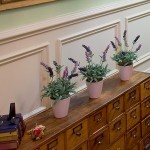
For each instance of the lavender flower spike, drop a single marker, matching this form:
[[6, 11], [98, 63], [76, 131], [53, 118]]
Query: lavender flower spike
[[113, 45], [87, 48], [136, 39], [87, 54], [72, 75], [48, 68], [75, 68], [71, 59], [124, 34], [138, 48], [107, 48], [82, 69], [65, 73], [118, 41]]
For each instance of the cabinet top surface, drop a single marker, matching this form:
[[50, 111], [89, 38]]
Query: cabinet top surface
[[81, 106]]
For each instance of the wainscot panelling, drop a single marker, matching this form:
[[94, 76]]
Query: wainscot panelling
[[23, 48], [71, 46], [21, 79]]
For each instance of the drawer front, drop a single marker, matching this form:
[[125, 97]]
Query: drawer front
[[119, 145], [54, 144], [132, 97], [145, 143], [97, 120], [83, 146], [115, 108], [145, 89], [146, 126], [133, 117], [145, 107], [117, 128], [133, 136], [100, 141], [77, 135]]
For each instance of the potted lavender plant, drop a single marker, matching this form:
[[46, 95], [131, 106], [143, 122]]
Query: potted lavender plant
[[94, 73], [59, 89], [125, 57]]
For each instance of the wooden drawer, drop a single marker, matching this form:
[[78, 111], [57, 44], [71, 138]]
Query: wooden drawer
[[136, 147], [133, 136], [145, 108], [145, 89], [145, 143], [117, 128], [146, 126], [100, 140], [83, 146], [56, 143], [97, 120], [77, 134], [119, 145], [115, 108], [132, 97], [133, 117]]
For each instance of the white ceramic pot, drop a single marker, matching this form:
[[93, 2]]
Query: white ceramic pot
[[60, 109], [125, 72], [94, 89]]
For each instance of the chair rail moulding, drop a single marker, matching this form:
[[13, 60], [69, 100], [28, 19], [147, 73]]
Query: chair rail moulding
[[66, 20], [10, 4]]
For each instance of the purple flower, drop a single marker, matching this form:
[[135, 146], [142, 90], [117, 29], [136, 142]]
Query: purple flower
[[65, 73], [48, 68], [55, 63], [87, 48], [113, 45], [107, 48], [75, 68], [138, 48], [124, 34], [125, 38], [135, 40], [88, 58], [104, 56], [72, 75], [118, 41], [71, 59], [82, 69]]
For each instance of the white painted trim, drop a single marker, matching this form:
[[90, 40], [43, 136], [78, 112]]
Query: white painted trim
[[142, 59], [147, 70], [67, 19], [23, 53], [68, 39], [34, 112]]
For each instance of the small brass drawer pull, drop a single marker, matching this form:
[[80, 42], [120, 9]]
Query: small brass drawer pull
[[117, 125], [134, 133], [98, 117], [116, 105], [132, 95], [99, 139], [147, 85], [52, 145], [77, 130], [147, 104], [147, 122], [133, 114]]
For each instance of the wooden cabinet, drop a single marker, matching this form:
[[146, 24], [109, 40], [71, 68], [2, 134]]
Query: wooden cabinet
[[118, 120], [76, 134]]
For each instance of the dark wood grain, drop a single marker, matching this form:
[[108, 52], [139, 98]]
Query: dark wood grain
[[81, 107]]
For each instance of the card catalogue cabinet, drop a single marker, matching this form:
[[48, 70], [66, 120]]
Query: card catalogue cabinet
[[118, 120]]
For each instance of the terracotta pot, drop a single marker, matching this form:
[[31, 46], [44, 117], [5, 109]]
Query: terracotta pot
[[125, 72], [60, 109], [94, 89]]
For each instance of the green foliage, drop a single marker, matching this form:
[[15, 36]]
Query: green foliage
[[94, 72], [125, 58], [60, 87]]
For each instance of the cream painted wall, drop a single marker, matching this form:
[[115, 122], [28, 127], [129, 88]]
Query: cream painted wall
[[23, 48], [27, 15]]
